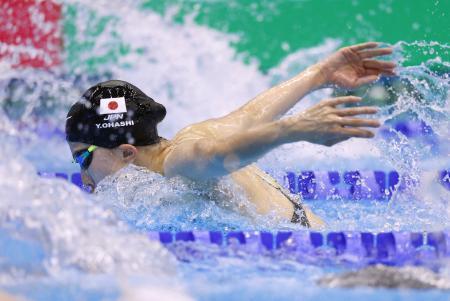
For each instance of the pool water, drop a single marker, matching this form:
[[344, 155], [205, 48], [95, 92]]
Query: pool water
[[60, 243]]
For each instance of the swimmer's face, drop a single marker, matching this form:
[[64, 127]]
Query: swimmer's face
[[104, 161]]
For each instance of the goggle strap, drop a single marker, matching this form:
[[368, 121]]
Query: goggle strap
[[84, 155]]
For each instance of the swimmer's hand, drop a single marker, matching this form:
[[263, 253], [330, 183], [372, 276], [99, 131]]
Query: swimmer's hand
[[353, 66], [326, 124]]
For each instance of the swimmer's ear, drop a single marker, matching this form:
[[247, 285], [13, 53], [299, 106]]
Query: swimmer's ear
[[128, 152]]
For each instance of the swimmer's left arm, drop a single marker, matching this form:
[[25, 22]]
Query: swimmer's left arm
[[350, 67], [276, 101]]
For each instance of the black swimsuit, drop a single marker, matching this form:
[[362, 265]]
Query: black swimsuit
[[299, 216]]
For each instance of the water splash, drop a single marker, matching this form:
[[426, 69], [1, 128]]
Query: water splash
[[195, 72], [149, 201], [197, 66], [52, 234]]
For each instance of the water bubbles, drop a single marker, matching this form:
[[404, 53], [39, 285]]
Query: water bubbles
[[285, 46], [378, 92]]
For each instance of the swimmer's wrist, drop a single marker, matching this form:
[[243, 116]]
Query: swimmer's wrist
[[318, 76], [323, 75], [291, 130]]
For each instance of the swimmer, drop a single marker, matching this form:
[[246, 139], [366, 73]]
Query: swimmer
[[381, 276], [115, 124]]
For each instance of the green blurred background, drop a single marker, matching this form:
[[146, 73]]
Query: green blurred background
[[269, 30]]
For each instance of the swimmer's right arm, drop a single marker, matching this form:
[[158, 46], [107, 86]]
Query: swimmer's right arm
[[213, 156], [349, 68]]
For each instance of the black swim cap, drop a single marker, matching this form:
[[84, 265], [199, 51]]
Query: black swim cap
[[114, 113]]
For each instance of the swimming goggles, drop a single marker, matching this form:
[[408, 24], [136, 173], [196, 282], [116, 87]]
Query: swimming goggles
[[84, 157]]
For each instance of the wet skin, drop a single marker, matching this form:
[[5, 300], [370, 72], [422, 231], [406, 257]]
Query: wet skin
[[231, 144]]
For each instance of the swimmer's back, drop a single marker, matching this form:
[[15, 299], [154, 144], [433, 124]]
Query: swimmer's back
[[261, 189]]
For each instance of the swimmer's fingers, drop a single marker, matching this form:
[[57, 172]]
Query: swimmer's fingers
[[367, 79], [377, 72], [357, 122], [356, 111], [355, 132], [372, 75], [363, 46], [388, 72], [374, 67], [341, 100], [376, 64], [374, 52]]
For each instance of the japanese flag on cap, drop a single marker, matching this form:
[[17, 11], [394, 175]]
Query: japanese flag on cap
[[112, 106]]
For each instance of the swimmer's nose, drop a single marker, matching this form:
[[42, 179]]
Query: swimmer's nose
[[88, 183]]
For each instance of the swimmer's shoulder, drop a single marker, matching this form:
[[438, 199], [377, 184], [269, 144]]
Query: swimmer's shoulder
[[211, 128], [187, 150]]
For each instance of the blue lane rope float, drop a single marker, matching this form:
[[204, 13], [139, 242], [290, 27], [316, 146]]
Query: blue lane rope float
[[314, 185], [353, 185], [386, 247]]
